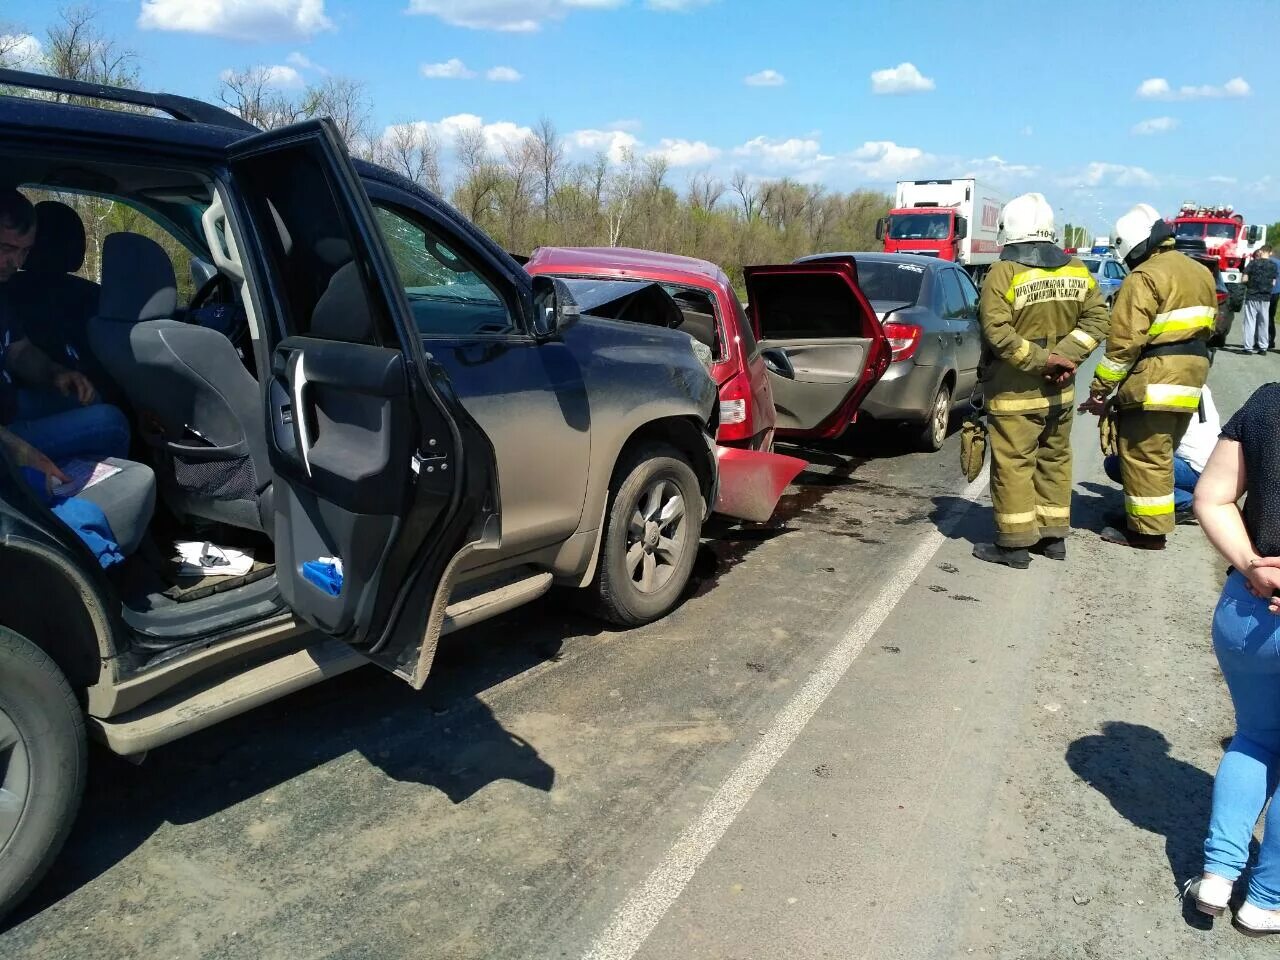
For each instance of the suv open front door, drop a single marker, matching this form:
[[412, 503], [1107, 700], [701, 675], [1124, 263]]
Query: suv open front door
[[375, 463], [822, 342]]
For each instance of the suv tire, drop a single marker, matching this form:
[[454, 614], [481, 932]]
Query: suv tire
[[651, 536], [43, 756]]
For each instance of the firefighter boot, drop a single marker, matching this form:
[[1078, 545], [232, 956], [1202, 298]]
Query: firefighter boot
[[1131, 538], [1016, 557], [1052, 548]]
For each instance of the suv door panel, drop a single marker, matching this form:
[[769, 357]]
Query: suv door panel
[[375, 464], [822, 342]]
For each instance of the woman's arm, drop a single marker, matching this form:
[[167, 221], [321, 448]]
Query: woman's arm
[[1218, 491]]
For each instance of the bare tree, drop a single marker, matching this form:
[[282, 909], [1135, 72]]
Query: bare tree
[[252, 95], [412, 150], [704, 191], [746, 191], [623, 186], [549, 153], [346, 102], [75, 49], [479, 177]]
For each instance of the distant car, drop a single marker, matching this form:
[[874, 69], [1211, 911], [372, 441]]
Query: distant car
[[1109, 272], [929, 310]]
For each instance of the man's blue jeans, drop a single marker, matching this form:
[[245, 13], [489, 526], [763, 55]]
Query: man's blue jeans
[[1246, 638], [1184, 479], [61, 429]]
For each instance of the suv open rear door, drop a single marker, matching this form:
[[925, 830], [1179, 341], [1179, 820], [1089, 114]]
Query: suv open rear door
[[822, 342], [379, 476]]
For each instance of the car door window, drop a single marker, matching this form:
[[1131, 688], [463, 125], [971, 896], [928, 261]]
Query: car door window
[[953, 304], [970, 293], [447, 296]]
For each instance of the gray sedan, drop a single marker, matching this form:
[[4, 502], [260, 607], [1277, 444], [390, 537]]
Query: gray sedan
[[929, 310]]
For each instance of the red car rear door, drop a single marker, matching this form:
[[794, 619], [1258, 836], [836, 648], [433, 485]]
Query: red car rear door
[[822, 342]]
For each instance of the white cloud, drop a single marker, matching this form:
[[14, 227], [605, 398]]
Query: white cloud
[[615, 144], [678, 6], [685, 153], [765, 78], [303, 62], [237, 19], [497, 136], [21, 51], [997, 168], [1218, 178], [1158, 88], [883, 160], [792, 154], [1098, 174], [451, 69], [904, 78], [630, 125], [513, 16], [504, 75], [276, 75], [1154, 125]]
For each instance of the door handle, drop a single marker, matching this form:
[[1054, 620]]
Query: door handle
[[300, 384]]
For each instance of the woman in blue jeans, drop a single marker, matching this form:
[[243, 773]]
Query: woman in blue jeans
[[1246, 639]]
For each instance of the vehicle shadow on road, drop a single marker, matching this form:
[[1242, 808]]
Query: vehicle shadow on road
[[960, 519], [1131, 766], [442, 737]]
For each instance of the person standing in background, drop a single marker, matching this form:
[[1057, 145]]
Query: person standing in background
[[1271, 315], [1259, 282]]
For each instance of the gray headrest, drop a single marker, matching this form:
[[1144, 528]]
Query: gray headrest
[[137, 279], [59, 246], [342, 312]]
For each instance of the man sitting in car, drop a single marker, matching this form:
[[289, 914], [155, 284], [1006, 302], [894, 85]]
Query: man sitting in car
[[49, 414]]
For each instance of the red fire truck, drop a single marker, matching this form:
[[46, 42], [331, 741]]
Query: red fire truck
[[1225, 235]]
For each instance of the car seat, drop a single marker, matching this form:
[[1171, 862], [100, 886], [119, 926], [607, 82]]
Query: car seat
[[197, 405]]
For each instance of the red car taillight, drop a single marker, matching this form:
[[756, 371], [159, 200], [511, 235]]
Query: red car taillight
[[1222, 296], [904, 339], [736, 420]]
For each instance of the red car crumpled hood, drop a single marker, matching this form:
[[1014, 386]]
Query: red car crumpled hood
[[751, 481]]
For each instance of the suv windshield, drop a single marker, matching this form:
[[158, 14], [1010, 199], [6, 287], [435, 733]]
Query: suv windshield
[[920, 226], [890, 280]]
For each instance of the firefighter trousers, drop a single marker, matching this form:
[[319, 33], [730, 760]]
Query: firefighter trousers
[[1146, 440], [1031, 475]]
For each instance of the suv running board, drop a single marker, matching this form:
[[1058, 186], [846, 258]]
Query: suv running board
[[184, 711]]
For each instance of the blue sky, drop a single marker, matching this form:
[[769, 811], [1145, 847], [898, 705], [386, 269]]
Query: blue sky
[[1097, 105]]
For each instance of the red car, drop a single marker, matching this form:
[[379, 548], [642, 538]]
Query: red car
[[797, 365]]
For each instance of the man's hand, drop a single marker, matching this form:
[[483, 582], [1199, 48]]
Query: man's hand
[[25, 455], [1058, 369], [1095, 405], [72, 382]]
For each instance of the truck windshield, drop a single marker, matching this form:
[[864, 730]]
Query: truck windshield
[[920, 226], [1189, 230], [1224, 231], [889, 280]]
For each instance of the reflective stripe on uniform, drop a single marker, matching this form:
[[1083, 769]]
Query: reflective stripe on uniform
[[1014, 519], [1148, 506], [1172, 395], [1041, 286], [1083, 339], [1029, 404], [1023, 351], [1112, 371], [1184, 318], [1053, 513]]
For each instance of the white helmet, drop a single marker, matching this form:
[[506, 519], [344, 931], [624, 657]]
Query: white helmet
[[1139, 232], [1027, 219]]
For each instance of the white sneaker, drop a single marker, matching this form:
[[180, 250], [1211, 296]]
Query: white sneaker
[[1257, 922], [1210, 893]]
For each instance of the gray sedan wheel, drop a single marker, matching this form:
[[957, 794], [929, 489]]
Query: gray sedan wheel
[[934, 432]]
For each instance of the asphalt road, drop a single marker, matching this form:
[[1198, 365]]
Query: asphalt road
[[853, 740]]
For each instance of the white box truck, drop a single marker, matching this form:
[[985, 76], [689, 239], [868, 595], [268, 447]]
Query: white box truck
[[951, 219]]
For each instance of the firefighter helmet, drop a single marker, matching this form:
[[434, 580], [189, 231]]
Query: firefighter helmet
[[1139, 232], [1027, 219]]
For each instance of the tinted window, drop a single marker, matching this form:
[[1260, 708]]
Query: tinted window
[[970, 293], [953, 305], [1093, 265], [448, 298], [810, 307], [309, 240], [888, 280]]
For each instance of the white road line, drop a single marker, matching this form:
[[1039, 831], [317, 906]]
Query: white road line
[[649, 903]]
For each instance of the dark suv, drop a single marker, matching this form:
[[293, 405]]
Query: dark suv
[[393, 400]]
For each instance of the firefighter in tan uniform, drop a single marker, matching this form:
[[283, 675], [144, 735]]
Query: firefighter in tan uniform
[[1042, 315], [1158, 357]]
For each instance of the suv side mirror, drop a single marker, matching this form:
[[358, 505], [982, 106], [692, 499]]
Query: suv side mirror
[[962, 228], [554, 308], [882, 227]]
